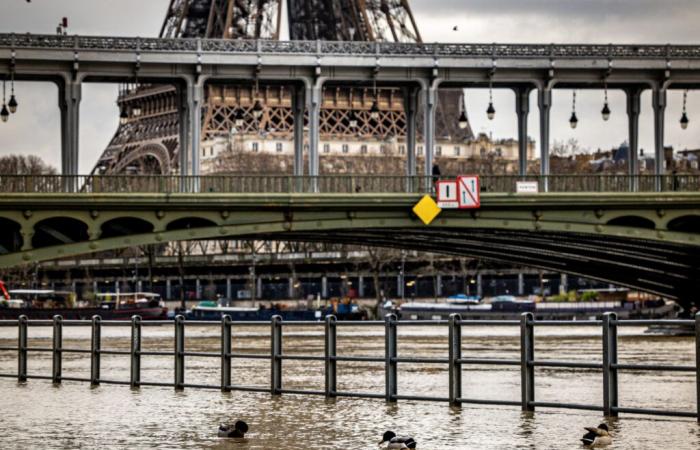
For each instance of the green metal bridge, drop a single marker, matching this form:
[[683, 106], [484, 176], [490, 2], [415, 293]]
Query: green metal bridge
[[644, 240]]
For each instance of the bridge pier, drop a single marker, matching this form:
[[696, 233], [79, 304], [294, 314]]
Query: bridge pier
[[659, 105], [522, 109], [634, 108], [70, 95], [545, 105]]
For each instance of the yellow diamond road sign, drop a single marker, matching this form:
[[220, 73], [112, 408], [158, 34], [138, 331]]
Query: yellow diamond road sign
[[426, 209]]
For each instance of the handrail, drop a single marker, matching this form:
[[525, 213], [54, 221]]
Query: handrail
[[334, 184], [75, 43], [391, 360]]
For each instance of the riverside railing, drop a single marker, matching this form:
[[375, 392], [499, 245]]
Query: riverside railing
[[456, 361], [334, 184]]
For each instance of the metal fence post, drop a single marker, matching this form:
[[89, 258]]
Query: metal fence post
[[697, 361], [57, 351], [179, 352], [455, 353], [610, 397], [226, 353], [390, 354], [135, 351], [95, 343], [331, 334], [527, 356], [276, 355], [22, 348]]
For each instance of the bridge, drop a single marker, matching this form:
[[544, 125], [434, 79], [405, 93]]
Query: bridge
[[419, 69], [643, 240]]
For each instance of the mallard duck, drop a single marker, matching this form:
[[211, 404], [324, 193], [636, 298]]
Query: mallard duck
[[597, 437], [237, 430], [391, 441]]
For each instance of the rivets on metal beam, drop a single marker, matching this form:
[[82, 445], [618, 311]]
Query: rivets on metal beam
[[599, 228], [537, 214], [160, 214], [599, 213], [475, 215], [159, 237], [223, 231], [225, 214], [352, 215], [27, 214], [660, 212], [661, 234], [94, 214], [93, 245]]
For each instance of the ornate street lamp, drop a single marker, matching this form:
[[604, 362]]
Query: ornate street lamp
[[463, 121], [239, 118], [258, 109], [374, 110], [573, 121], [4, 113], [13, 101], [123, 115], [684, 117], [606, 108], [136, 110], [491, 111]]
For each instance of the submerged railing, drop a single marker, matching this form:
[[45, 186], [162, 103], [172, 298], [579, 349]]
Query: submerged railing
[[335, 184], [456, 361]]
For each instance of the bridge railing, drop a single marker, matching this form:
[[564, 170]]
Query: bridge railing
[[334, 184], [456, 362]]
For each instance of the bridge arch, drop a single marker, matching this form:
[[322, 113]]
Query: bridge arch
[[11, 236], [187, 223], [125, 226], [685, 224], [59, 231], [154, 152], [633, 222]]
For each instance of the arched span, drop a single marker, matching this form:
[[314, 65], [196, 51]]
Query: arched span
[[125, 226], [188, 223], [59, 231], [633, 222], [10, 236], [685, 224], [154, 152]]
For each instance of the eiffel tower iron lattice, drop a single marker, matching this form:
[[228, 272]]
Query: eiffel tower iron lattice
[[148, 138]]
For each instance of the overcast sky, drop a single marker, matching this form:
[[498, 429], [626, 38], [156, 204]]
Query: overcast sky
[[35, 128]]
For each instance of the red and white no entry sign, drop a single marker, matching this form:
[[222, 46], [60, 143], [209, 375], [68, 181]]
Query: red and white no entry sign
[[469, 196]]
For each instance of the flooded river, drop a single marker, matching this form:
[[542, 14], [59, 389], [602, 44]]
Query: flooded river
[[37, 414]]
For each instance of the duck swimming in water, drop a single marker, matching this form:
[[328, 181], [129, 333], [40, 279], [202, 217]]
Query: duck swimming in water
[[597, 437], [237, 430], [392, 442]]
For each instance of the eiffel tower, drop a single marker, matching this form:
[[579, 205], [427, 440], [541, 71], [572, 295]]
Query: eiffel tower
[[147, 140]]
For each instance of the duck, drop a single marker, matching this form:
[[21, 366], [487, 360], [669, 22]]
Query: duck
[[391, 441], [237, 430], [597, 436]]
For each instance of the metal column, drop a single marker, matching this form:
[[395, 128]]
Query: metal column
[[455, 354], [330, 356], [71, 94], [659, 105], [544, 102], [430, 103], [315, 100], [522, 109], [521, 284], [390, 355], [226, 353], [276, 356], [610, 396], [298, 107], [634, 108], [135, 379], [527, 356], [57, 349], [411, 109], [95, 350], [22, 344], [179, 352], [196, 98], [184, 140]]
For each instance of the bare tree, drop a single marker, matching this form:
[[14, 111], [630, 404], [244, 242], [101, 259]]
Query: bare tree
[[24, 165]]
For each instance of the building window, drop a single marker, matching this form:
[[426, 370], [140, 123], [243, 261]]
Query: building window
[[255, 146], [326, 148], [363, 149], [204, 152], [346, 148], [482, 152], [402, 149], [420, 150], [457, 151], [211, 151], [382, 149], [438, 150], [279, 147], [499, 152]]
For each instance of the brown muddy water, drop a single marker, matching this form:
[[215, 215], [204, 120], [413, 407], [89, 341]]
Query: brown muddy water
[[37, 414]]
